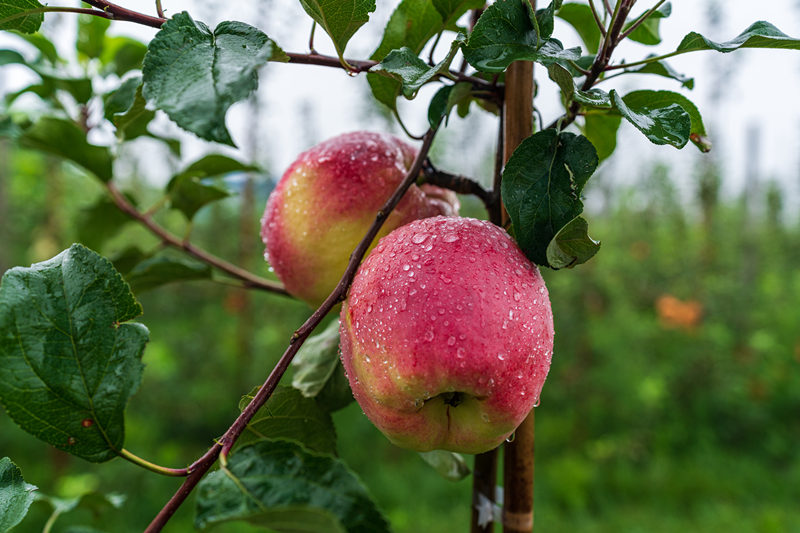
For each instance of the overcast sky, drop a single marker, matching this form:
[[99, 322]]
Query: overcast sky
[[305, 104]]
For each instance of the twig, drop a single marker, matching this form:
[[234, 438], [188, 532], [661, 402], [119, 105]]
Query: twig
[[459, 184], [159, 9], [226, 442], [599, 22], [249, 279], [608, 6], [56, 9], [640, 20], [121, 13]]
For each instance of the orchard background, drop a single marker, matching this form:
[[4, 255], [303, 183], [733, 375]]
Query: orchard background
[[675, 387]]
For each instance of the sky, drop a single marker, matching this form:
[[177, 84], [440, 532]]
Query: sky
[[748, 90]]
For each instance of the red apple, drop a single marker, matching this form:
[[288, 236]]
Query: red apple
[[326, 201], [447, 335]]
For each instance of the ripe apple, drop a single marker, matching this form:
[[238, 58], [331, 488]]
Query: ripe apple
[[447, 335], [326, 201]]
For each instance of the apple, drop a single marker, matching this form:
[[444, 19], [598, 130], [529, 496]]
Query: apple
[[447, 335], [328, 198]]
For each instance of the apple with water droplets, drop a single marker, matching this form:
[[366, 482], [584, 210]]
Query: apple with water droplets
[[326, 202], [447, 335]]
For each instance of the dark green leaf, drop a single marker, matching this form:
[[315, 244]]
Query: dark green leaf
[[446, 99], [653, 99], [339, 18], [122, 54], [647, 32], [15, 495], [281, 486], [661, 68], [195, 75], [65, 139], [760, 34], [451, 10], [121, 99], [503, 34], [94, 501], [99, 222], [412, 24], [133, 122], [288, 415], [545, 19], [565, 81], [188, 194], [162, 269], [449, 465], [336, 393], [580, 17], [316, 361], [572, 245], [541, 187], [91, 35], [410, 70], [12, 15], [43, 44], [124, 260], [601, 130], [662, 120], [216, 165], [79, 88], [69, 356]]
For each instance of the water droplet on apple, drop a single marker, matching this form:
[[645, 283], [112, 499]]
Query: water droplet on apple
[[501, 356], [511, 437], [460, 353], [406, 268], [537, 402], [429, 335], [419, 238], [451, 341], [450, 237]]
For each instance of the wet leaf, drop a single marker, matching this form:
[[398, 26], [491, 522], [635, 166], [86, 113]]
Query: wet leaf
[[12, 18], [339, 18], [16, 496], [572, 245]]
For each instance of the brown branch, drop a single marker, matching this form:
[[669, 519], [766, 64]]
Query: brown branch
[[226, 442], [249, 279], [121, 13], [596, 16], [638, 22], [484, 481], [459, 184]]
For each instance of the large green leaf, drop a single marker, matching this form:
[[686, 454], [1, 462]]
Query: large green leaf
[[572, 245], [662, 120], [505, 33], [195, 75], [216, 165], [15, 495], [283, 487], [162, 269], [451, 10], [641, 100], [188, 194], [404, 66], [580, 17], [12, 18], [316, 361], [69, 356], [545, 19], [339, 18], [542, 183], [760, 34], [446, 99], [65, 139], [288, 415]]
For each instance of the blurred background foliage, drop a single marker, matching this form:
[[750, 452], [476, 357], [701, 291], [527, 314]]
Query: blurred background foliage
[[672, 403]]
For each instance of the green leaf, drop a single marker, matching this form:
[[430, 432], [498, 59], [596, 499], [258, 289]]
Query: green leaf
[[163, 269], [65, 139], [404, 66], [580, 17], [601, 130], [336, 393], [316, 361], [121, 99], [188, 194], [46, 47], [446, 99], [120, 55], [505, 33], [216, 165], [648, 31], [412, 24], [134, 121], [79, 88], [661, 68], [339, 18], [656, 99], [760, 34], [195, 75], [572, 245], [563, 78], [451, 10], [449, 465], [662, 120], [288, 415], [12, 18], [69, 356], [281, 486], [545, 19], [541, 187], [16, 496], [100, 222], [91, 35]]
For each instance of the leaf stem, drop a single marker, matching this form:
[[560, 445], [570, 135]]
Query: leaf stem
[[311, 49], [648, 60], [159, 9], [147, 465], [223, 446], [596, 16], [250, 280]]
